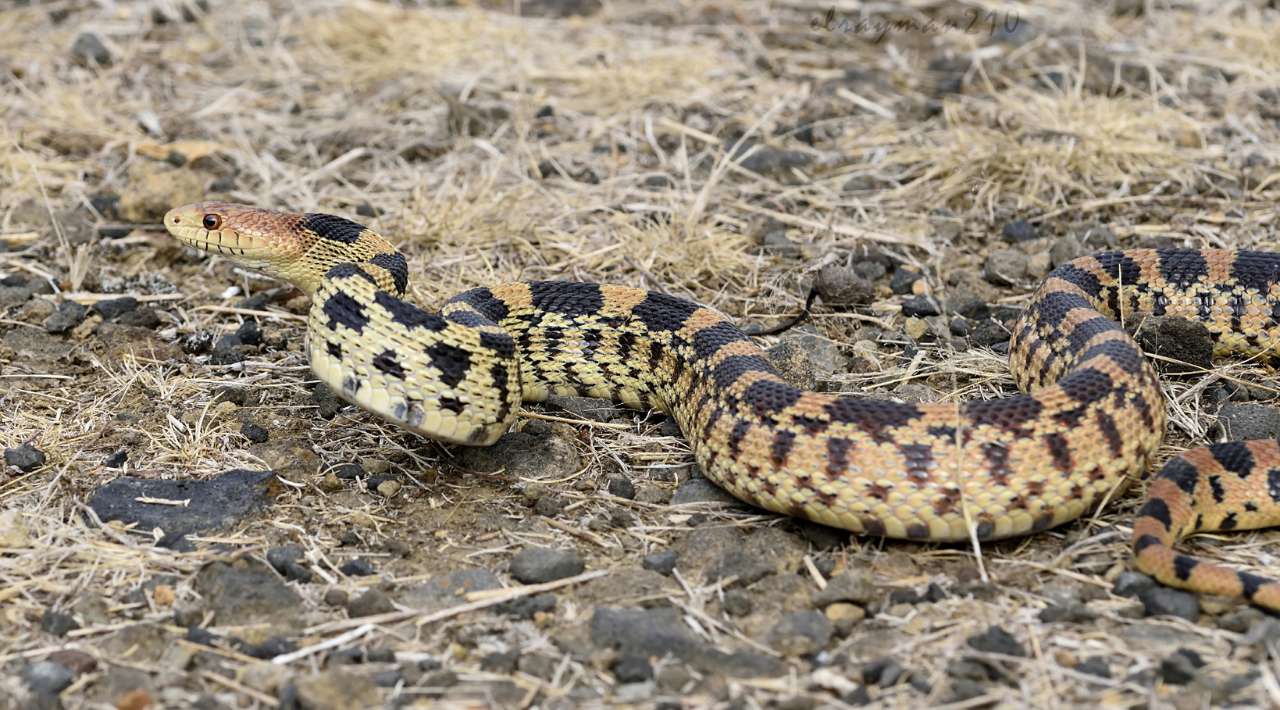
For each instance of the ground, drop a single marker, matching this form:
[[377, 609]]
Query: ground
[[922, 174]]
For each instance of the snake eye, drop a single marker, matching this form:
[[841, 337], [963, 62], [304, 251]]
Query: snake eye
[[212, 221]]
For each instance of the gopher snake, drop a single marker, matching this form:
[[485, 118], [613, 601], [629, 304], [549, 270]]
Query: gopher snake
[[1088, 422]]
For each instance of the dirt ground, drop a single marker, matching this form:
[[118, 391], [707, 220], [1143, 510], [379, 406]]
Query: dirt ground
[[922, 167]]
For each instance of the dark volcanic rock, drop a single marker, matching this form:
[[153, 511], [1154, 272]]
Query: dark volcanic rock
[[26, 458], [656, 632], [534, 565], [246, 592], [213, 503]]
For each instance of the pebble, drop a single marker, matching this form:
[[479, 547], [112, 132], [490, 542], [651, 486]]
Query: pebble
[[903, 281], [68, 315], [348, 471], [357, 567], [287, 560], [328, 404], [1065, 249], [333, 596], [700, 490], [747, 567], [140, 318], [632, 668], [1241, 421], [246, 592], [997, 640], [622, 487], [659, 631], [535, 565], [47, 677], [549, 505], [372, 601], [116, 460], [335, 689], [115, 307], [1163, 601], [989, 333], [805, 357], [884, 672], [1005, 267], [589, 408], [843, 616], [662, 562], [89, 50], [775, 162], [58, 623], [1186, 342], [801, 633], [737, 602], [213, 503], [25, 458], [843, 286], [1180, 667], [389, 488], [78, 661], [1019, 230], [530, 455], [253, 432], [848, 586], [528, 607], [1129, 584], [249, 333], [921, 307], [1072, 613]]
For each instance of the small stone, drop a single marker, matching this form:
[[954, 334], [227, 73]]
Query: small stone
[[843, 616], [528, 607], [662, 562], [68, 315], [357, 567], [915, 328], [26, 458], [921, 307], [1019, 230], [801, 633], [500, 662], [903, 281], [842, 286], [1129, 584], [884, 672], [326, 401], [254, 433], [89, 50], [1073, 613], [1180, 667], [1065, 249], [1186, 342], [997, 640], [280, 557], [334, 689], [348, 471], [116, 460], [140, 318], [389, 488], [115, 307], [848, 586], [372, 602], [78, 661], [1005, 267], [249, 333], [806, 357], [622, 487], [632, 668], [989, 333], [1242, 421], [700, 490], [775, 162], [333, 596], [549, 505], [737, 602], [959, 326], [1096, 666], [58, 623], [1163, 601], [535, 565], [47, 677]]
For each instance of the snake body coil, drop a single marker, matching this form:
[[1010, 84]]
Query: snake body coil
[[1088, 422]]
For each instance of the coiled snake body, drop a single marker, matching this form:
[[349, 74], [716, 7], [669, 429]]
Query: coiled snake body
[[1088, 422]]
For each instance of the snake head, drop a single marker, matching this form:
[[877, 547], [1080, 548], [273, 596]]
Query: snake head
[[298, 248]]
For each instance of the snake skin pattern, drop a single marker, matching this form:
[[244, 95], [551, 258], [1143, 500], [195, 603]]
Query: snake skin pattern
[[1087, 424]]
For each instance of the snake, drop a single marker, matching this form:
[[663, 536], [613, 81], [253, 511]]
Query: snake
[[1086, 422]]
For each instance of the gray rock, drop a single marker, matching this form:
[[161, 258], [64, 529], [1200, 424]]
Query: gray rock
[[590, 408], [622, 487], [1005, 267], [662, 562], [327, 402], [903, 281], [25, 458], [372, 601], [848, 586], [254, 432], [115, 307], [529, 455], [632, 668], [1163, 601], [47, 677], [737, 602], [1095, 666], [805, 357], [1186, 342], [1129, 584], [1241, 421], [68, 315], [657, 632], [801, 633], [58, 623], [1019, 230], [775, 162], [997, 640], [700, 490], [1072, 613], [921, 307], [246, 592], [842, 286], [447, 589], [884, 672], [535, 565], [336, 689], [214, 503], [1180, 667], [1065, 249], [90, 50]]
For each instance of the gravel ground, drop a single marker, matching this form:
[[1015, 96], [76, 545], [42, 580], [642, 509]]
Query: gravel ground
[[187, 520]]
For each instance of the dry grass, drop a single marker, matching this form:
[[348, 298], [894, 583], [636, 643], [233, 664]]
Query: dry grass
[[612, 147]]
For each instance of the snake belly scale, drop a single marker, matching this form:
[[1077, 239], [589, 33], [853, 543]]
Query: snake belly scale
[[1087, 423]]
